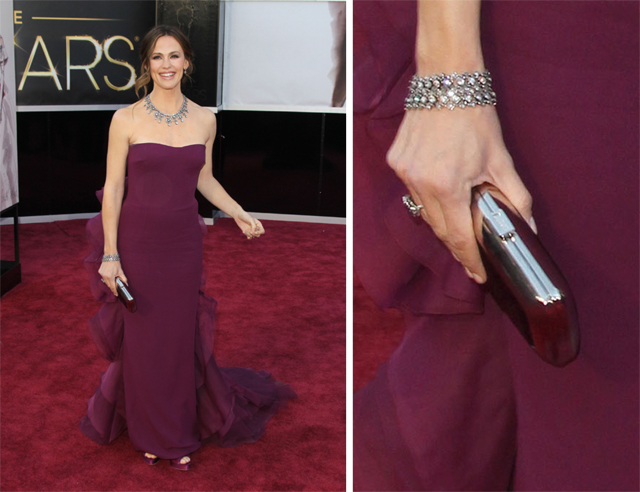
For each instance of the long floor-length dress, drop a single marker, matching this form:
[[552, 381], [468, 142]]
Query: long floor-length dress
[[163, 383], [463, 403]]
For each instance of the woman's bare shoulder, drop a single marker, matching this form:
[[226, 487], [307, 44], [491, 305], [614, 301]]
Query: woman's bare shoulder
[[123, 121], [128, 113], [204, 119]]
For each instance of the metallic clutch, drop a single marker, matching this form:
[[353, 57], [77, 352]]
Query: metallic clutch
[[523, 278], [125, 296]]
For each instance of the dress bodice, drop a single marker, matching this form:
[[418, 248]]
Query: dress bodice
[[161, 176]]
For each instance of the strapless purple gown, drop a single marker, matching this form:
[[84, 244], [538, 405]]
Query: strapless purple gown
[[163, 383]]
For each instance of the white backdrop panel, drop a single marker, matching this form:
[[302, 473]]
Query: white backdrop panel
[[8, 136], [278, 55]]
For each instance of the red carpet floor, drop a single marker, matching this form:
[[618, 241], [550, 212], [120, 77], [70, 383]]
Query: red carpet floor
[[376, 334], [281, 307]]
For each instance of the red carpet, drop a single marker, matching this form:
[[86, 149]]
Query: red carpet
[[284, 292], [376, 334]]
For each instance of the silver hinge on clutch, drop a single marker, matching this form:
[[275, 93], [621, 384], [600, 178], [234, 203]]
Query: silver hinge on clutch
[[124, 289], [498, 222]]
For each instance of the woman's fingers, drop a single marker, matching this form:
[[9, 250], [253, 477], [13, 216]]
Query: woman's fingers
[[510, 184], [111, 283], [251, 227], [461, 239], [450, 219], [256, 228], [109, 274], [431, 212], [514, 190], [122, 277]]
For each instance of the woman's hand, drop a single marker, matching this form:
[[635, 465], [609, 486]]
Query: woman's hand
[[109, 270], [440, 155], [249, 226]]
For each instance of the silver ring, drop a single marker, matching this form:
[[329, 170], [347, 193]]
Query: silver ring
[[412, 207], [102, 280]]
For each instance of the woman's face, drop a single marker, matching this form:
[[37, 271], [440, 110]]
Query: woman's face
[[167, 63]]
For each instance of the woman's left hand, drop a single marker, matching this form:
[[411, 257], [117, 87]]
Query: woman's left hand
[[250, 226]]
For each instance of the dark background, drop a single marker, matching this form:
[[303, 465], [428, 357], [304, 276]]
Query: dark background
[[287, 162], [200, 21]]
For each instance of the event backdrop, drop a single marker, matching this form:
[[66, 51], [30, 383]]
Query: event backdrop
[[78, 52], [8, 145], [268, 55], [285, 55], [278, 151], [201, 21]]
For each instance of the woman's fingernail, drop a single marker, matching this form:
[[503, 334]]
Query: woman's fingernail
[[454, 255], [532, 224], [478, 278], [468, 272]]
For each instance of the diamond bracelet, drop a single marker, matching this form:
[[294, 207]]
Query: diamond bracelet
[[451, 91], [115, 257]]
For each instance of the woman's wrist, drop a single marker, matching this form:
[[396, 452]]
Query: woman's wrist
[[462, 53], [235, 212], [430, 62], [110, 251]]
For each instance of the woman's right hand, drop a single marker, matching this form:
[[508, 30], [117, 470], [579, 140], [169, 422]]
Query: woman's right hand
[[440, 155], [109, 270]]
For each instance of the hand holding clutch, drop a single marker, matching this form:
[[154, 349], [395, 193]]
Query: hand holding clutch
[[523, 278]]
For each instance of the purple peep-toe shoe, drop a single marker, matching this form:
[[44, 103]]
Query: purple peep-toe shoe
[[175, 463], [150, 461]]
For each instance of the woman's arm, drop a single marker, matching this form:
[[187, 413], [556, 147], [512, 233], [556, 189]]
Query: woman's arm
[[113, 192], [448, 37], [213, 191], [441, 154]]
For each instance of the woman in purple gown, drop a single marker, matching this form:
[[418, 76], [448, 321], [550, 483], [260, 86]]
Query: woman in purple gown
[[163, 383], [463, 403]]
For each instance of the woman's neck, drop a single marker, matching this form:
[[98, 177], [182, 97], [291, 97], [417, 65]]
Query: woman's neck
[[167, 101]]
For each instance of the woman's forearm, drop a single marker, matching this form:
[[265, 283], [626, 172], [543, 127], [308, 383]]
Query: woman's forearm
[[213, 191], [111, 207], [448, 37]]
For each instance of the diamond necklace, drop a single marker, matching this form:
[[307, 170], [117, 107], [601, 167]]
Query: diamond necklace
[[160, 116]]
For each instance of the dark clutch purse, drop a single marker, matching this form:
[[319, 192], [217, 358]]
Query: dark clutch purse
[[125, 295], [523, 278]]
